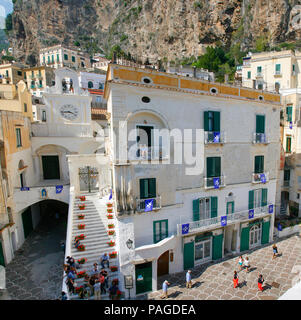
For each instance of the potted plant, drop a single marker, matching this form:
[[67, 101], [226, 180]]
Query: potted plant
[[109, 205], [81, 274], [77, 289], [109, 216], [111, 232], [111, 225], [81, 237], [114, 268], [81, 207], [113, 254], [81, 216], [81, 226], [82, 198], [111, 243], [82, 260], [109, 210], [81, 247]]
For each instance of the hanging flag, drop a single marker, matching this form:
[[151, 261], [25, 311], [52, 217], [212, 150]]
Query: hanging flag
[[216, 183], [251, 213], [149, 205], [263, 178], [185, 228], [58, 189], [111, 195], [24, 189], [291, 125], [216, 137], [279, 227], [223, 221], [271, 208]]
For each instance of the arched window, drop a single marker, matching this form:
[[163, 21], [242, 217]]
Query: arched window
[[90, 84], [100, 86]]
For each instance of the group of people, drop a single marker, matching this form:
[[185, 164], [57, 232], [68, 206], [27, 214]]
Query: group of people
[[97, 281], [243, 263]]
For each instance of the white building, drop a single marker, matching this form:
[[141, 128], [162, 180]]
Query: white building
[[170, 220], [188, 71]]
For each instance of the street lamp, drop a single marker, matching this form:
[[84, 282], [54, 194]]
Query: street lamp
[[129, 243]]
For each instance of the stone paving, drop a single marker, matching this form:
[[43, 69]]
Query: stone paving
[[213, 281], [36, 272]]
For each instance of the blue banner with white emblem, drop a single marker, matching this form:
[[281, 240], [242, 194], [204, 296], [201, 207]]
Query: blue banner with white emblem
[[223, 221], [263, 178], [271, 208], [279, 227], [185, 228], [58, 189], [216, 137], [216, 183], [24, 189], [251, 213], [149, 204], [291, 125]]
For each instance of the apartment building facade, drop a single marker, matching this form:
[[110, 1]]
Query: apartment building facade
[[170, 220]]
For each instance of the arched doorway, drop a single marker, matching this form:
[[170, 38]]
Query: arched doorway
[[255, 236], [163, 264]]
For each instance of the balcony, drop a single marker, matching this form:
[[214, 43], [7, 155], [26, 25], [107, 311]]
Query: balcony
[[214, 137], [32, 76], [259, 75], [214, 183], [147, 153], [286, 183], [146, 205], [212, 223], [260, 138], [260, 177], [278, 74]]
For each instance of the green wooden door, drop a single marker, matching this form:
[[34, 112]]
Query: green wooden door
[[260, 123], [265, 235], [51, 167], [217, 245], [244, 239], [143, 277], [230, 207], [27, 222], [214, 207], [2, 262], [188, 255], [196, 209], [259, 164]]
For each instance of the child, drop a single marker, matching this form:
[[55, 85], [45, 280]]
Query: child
[[235, 279], [275, 251], [260, 282], [240, 262], [247, 264]]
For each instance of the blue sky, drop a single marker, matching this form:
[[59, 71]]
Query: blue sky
[[8, 6]]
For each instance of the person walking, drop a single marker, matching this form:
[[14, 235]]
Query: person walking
[[91, 284], [247, 264], [105, 274], [235, 279], [113, 291], [188, 279], [97, 294], [102, 284], [275, 251], [240, 262], [260, 282], [164, 288]]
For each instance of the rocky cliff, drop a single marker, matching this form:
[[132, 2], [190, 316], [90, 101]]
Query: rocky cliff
[[153, 29]]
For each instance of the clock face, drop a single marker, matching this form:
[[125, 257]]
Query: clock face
[[69, 112]]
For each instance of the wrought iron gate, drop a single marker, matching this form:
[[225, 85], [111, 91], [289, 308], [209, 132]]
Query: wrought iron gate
[[88, 178]]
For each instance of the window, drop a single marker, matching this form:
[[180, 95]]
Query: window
[[213, 167], [260, 86], [43, 59], [277, 86], [19, 73], [294, 68], [25, 107], [160, 230], [298, 195], [249, 74], [289, 113], [259, 164], [287, 175], [259, 69], [145, 99], [260, 124], [40, 83], [52, 58], [6, 72], [258, 198], [277, 68], [90, 84], [57, 58], [212, 121], [66, 56], [73, 59], [202, 249], [44, 115], [288, 144], [100, 86], [148, 188], [18, 137], [98, 99], [48, 59]]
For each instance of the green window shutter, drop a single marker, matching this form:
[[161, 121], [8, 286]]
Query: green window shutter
[[73, 59], [214, 206], [152, 188], [160, 229], [196, 209], [278, 66], [44, 59], [2, 261], [264, 197], [259, 69], [65, 56], [287, 174], [188, 255], [143, 188], [260, 123], [206, 120], [244, 239], [265, 232], [217, 250], [213, 167], [48, 59], [288, 144], [249, 74], [289, 112], [259, 164], [216, 121], [57, 58], [251, 199], [52, 58]]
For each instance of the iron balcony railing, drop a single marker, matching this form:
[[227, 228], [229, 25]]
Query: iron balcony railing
[[241, 216], [146, 205], [259, 75], [286, 183], [215, 182], [147, 153], [214, 137], [277, 73], [260, 138], [260, 177]]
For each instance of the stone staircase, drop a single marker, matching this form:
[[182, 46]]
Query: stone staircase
[[96, 239]]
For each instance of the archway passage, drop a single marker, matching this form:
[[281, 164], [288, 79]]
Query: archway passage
[[163, 264]]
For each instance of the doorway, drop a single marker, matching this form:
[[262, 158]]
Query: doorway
[[51, 167], [143, 277], [163, 264], [255, 236]]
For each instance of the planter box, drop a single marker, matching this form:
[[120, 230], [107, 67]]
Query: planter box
[[287, 231], [81, 207], [109, 205], [81, 226], [109, 216], [82, 198], [110, 210], [81, 217]]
